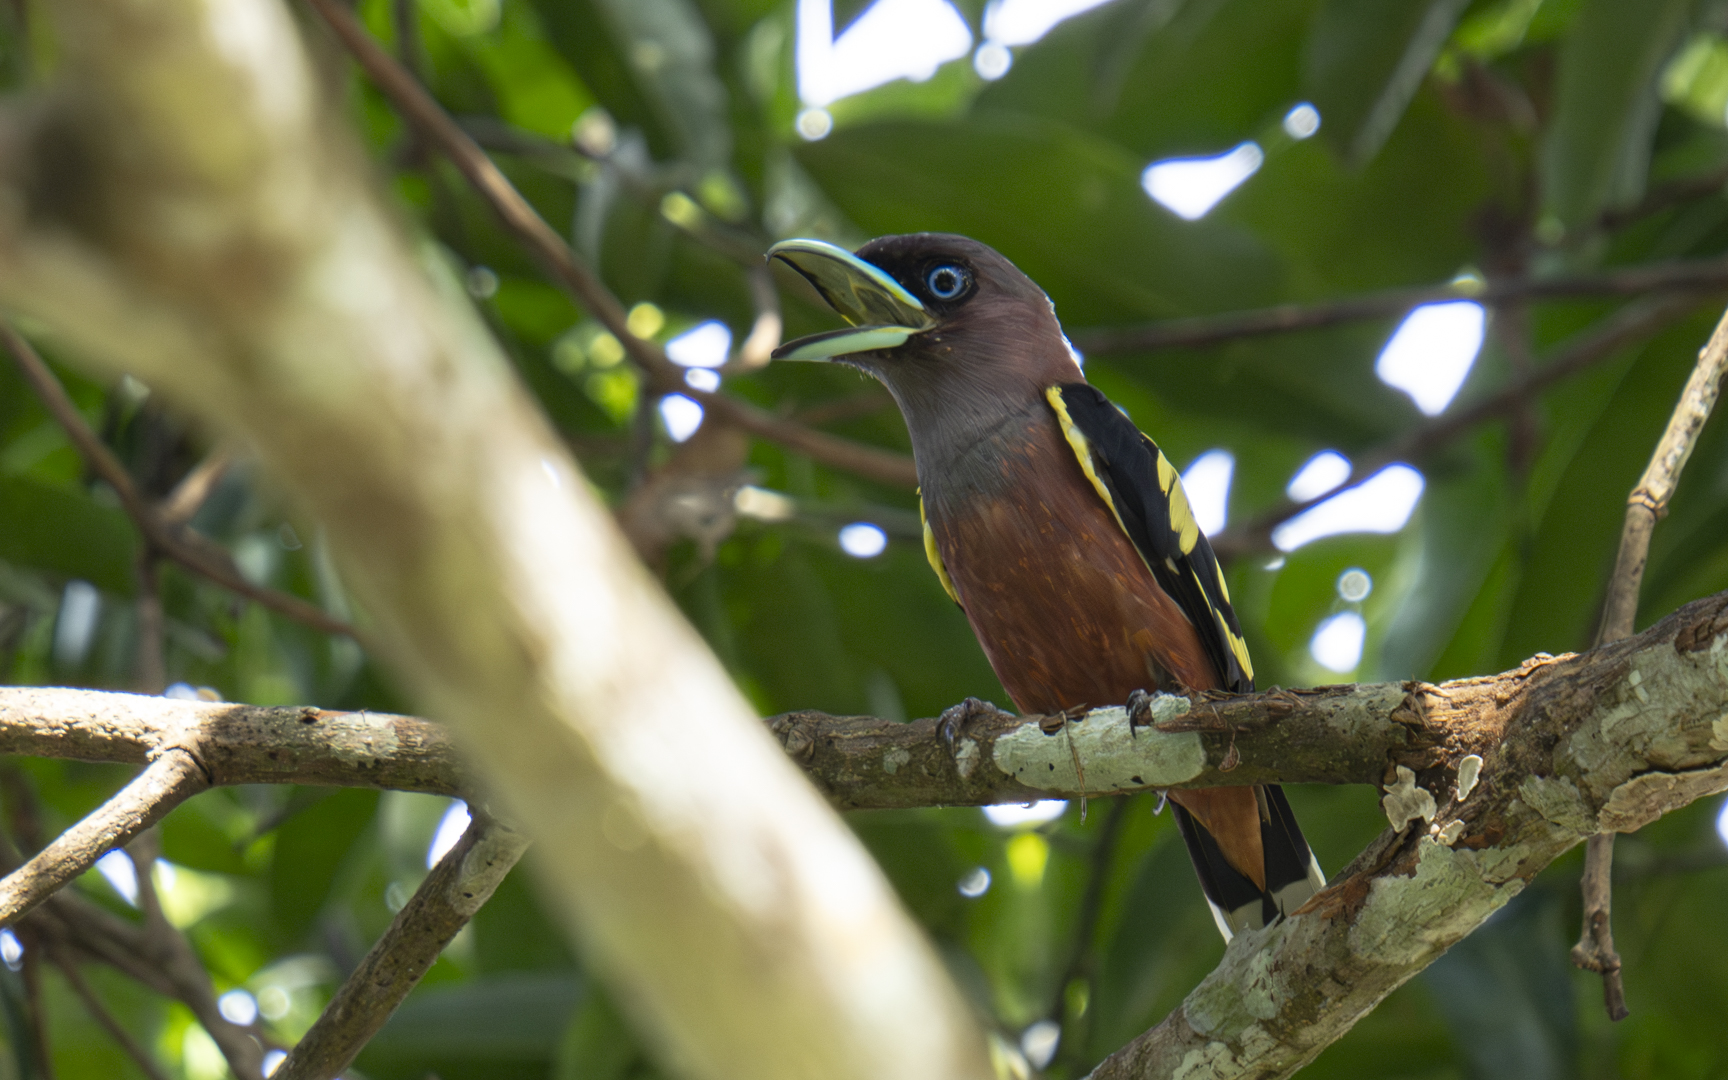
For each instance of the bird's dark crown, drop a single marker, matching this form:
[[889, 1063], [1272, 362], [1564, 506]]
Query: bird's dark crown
[[912, 259], [994, 349]]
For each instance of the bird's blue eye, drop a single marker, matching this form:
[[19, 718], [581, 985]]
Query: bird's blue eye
[[947, 281]]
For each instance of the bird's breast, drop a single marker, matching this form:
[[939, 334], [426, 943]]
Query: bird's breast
[[1058, 596]]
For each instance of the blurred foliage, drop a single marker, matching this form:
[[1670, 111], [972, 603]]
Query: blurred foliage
[[1500, 136]]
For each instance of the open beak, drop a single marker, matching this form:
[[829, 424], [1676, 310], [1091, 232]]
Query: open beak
[[882, 313]]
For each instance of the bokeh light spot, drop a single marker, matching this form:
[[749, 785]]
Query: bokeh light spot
[[1021, 815], [450, 829], [1302, 121], [1189, 187], [1323, 472], [1382, 503], [1337, 644], [862, 540], [238, 1007], [975, 884], [1432, 351], [680, 415], [1354, 585], [1207, 483]]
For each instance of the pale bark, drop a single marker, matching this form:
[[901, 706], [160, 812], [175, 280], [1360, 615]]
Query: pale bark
[[1607, 741], [184, 206], [1488, 780]]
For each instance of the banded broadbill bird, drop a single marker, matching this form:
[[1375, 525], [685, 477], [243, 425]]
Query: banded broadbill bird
[[1057, 526]]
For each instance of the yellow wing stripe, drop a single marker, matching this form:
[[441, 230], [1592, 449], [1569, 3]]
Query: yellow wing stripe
[[1082, 447], [935, 556], [1238, 646], [1181, 519]]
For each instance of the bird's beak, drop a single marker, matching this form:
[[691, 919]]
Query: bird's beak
[[882, 313]]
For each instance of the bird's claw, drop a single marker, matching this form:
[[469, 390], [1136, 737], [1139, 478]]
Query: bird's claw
[[1139, 709], [951, 725]]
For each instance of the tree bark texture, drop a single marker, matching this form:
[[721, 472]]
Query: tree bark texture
[[1486, 781], [182, 204]]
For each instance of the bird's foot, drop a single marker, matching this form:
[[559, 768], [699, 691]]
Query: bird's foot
[[951, 725], [1139, 709]]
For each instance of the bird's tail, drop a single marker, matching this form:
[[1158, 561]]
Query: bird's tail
[[1217, 819]]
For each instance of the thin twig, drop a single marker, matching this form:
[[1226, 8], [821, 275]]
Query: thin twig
[[167, 948], [1595, 949], [1589, 347], [1665, 196], [1079, 964], [189, 495], [1708, 275], [1644, 507], [99, 1012], [37, 1011], [641, 442], [149, 668], [167, 782], [201, 557], [426, 116], [1649, 499], [764, 337], [457, 887], [576, 277]]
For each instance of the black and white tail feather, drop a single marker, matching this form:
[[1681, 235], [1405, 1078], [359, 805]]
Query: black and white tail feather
[[1292, 873], [1145, 493]]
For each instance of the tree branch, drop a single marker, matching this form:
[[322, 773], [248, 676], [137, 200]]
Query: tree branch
[[1607, 741], [1649, 499], [1587, 348], [578, 279], [165, 783], [165, 948], [195, 554], [1573, 745], [1701, 276], [1648, 503], [99, 1012], [234, 744], [457, 887], [503, 596]]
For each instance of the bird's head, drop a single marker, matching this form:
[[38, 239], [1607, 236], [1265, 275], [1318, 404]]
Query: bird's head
[[946, 323]]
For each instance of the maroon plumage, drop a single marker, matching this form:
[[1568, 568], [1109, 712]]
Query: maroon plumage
[[1060, 528]]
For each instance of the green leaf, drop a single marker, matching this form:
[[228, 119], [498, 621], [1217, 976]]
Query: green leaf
[[512, 932], [1162, 79], [598, 1044], [1597, 148], [310, 847], [1506, 992], [537, 89], [672, 52], [65, 532], [503, 1023], [1365, 61], [1103, 251]]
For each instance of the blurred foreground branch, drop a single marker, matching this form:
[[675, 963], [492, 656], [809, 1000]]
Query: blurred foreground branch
[[164, 533], [746, 930], [569, 271]]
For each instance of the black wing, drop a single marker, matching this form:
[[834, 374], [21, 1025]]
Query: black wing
[[1144, 490]]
